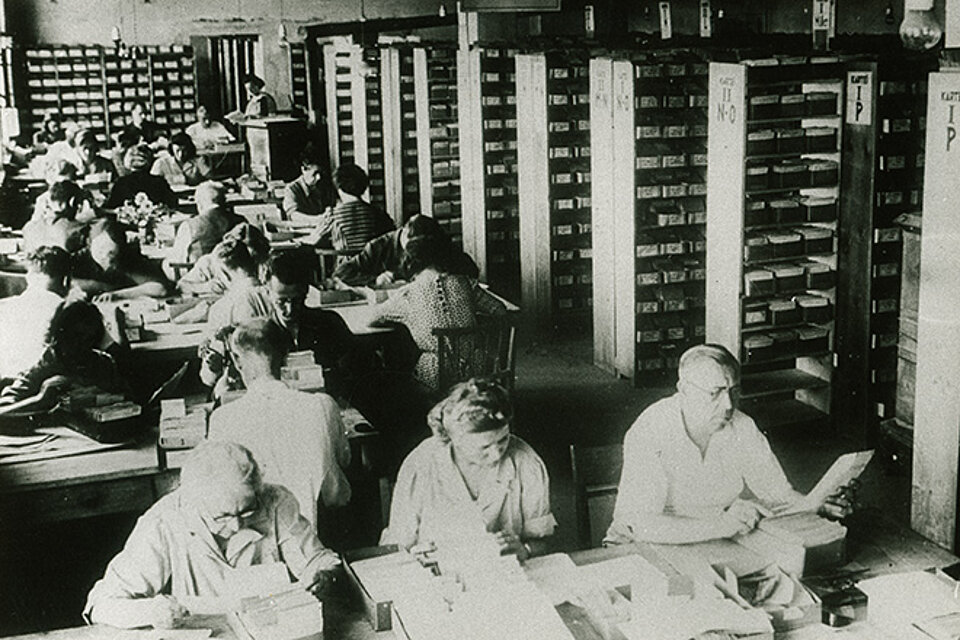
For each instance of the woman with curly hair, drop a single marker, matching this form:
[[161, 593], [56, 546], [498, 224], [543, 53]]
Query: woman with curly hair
[[471, 478]]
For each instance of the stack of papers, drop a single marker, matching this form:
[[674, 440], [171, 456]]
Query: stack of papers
[[19, 445], [300, 371], [181, 428]]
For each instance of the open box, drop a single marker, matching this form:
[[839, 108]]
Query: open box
[[789, 604]]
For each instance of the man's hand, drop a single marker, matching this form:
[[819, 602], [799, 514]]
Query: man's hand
[[742, 517], [384, 279], [510, 543], [841, 504], [165, 612], [321, 582]]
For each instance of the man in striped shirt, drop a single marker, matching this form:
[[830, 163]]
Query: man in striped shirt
[[353, 221]]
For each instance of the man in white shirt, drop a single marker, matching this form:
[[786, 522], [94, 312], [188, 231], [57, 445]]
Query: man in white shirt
[[297, 437], [207, 132], [695, 468], [25, 318]]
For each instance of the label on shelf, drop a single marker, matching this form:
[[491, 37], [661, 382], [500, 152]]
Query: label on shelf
[[859, 97]]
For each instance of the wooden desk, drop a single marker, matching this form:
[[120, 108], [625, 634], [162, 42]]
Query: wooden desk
[[125, 480], [358, 317]]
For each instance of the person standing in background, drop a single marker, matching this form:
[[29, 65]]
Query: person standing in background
[[260, 104]]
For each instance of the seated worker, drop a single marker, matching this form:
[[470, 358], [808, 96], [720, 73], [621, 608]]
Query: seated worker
[[194, 541], [380, 263], [311, 194], [472, 477], [434, 298], [49, 133], [320, 331], [180, 165], [138, 160], [353, 222], [695, 468], [297, 437], [125, 140], [207, 132], [63, 171], [208, 275], [71, 357], [110, 268], [260, 104], [96, 173], [65, 149], [57, 226], [146, 131], [245, 299], [26, 318], [199, 235]]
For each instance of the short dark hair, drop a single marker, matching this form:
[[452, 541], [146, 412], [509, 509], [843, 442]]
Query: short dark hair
[[257, 244], [127, 139], [292, 267], [310, 156], [87, 138], [66, 192], [424, 252], [53, 262], [263, 336], [71, 319], [350, 178], [254, 80], [421, 225], [183, 140]]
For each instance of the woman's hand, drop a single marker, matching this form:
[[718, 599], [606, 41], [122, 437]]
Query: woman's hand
[[165, 612], [53, 388], [384, 279], [510, 543]]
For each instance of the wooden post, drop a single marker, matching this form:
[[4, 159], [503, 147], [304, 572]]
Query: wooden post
[[470, 120], [937, 418], [624, 217], [602, 184], [424, 152], [392, 132]]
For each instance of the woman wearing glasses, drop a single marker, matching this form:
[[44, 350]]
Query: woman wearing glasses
[[197, 541], [695, 468]]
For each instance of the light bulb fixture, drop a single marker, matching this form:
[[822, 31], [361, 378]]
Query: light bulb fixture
[[282, 35], [115, 36], [443, 10], [919, 29]]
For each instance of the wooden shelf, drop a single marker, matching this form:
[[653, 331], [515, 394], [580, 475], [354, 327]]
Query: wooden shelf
[[757, 385], [783, 413]]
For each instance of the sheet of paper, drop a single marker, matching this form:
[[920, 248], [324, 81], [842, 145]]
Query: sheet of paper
[[844, 470], [163, 634], [897, 601]]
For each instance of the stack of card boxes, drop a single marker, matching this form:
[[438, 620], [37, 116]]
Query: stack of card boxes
[[112, 412], [180, 428], [291, 615], [301, 372]]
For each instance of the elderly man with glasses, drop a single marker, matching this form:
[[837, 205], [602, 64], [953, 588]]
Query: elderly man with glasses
[[196, 542], [695, 468]]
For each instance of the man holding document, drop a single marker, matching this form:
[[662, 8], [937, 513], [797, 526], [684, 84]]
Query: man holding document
[[695, 468]]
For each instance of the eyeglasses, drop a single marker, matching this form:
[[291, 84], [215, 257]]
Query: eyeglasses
[[243, 515], [716, 393]]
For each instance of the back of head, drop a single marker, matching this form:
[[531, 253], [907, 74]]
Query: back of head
[[224, 465], [477, 405], [87, 138], [709, 352], [265, 338], [254, 81], [77, 327], [421, 225], [210, 195], [351, 179], [257, 244], [236, 256], [53, 262], [426, 252]]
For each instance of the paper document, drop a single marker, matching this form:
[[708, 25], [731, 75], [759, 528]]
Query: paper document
[[847, 467]]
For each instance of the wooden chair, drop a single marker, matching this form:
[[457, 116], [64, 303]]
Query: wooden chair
[[596, 478], [486, 350]]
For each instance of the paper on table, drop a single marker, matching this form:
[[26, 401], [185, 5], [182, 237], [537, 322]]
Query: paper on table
[[899, 600], [846, 468], [163, 634]]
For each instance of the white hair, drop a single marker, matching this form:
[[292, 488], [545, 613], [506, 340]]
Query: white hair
[[220, 463]]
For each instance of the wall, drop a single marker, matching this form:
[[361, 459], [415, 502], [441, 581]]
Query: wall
[[146, 22]]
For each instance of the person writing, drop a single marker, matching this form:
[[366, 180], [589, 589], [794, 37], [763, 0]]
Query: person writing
[[472, 477], [695, 468], [311, 194], [193, 542], [145, 130], [207, 132], [181, 165], [297, 437], [198, 236], [209, 276], [138, 160], [26, 318], [111, 268], [380, 263]]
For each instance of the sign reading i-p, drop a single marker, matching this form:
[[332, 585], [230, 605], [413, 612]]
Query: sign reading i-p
[[950, 100], [859, 97]]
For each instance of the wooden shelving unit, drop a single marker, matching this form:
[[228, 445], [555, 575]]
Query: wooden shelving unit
[[649, 137], [355, 121], [487, 111], [773, 202], [882, 178], [437, 135], [92, 85], [553, 140], [300, 76]]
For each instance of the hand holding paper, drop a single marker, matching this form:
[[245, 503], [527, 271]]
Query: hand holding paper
[[830, 489]]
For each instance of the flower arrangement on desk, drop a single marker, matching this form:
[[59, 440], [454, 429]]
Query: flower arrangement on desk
[[144, 214]]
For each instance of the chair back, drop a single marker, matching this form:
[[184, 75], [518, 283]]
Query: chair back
[[596, 478], [486, 350]]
